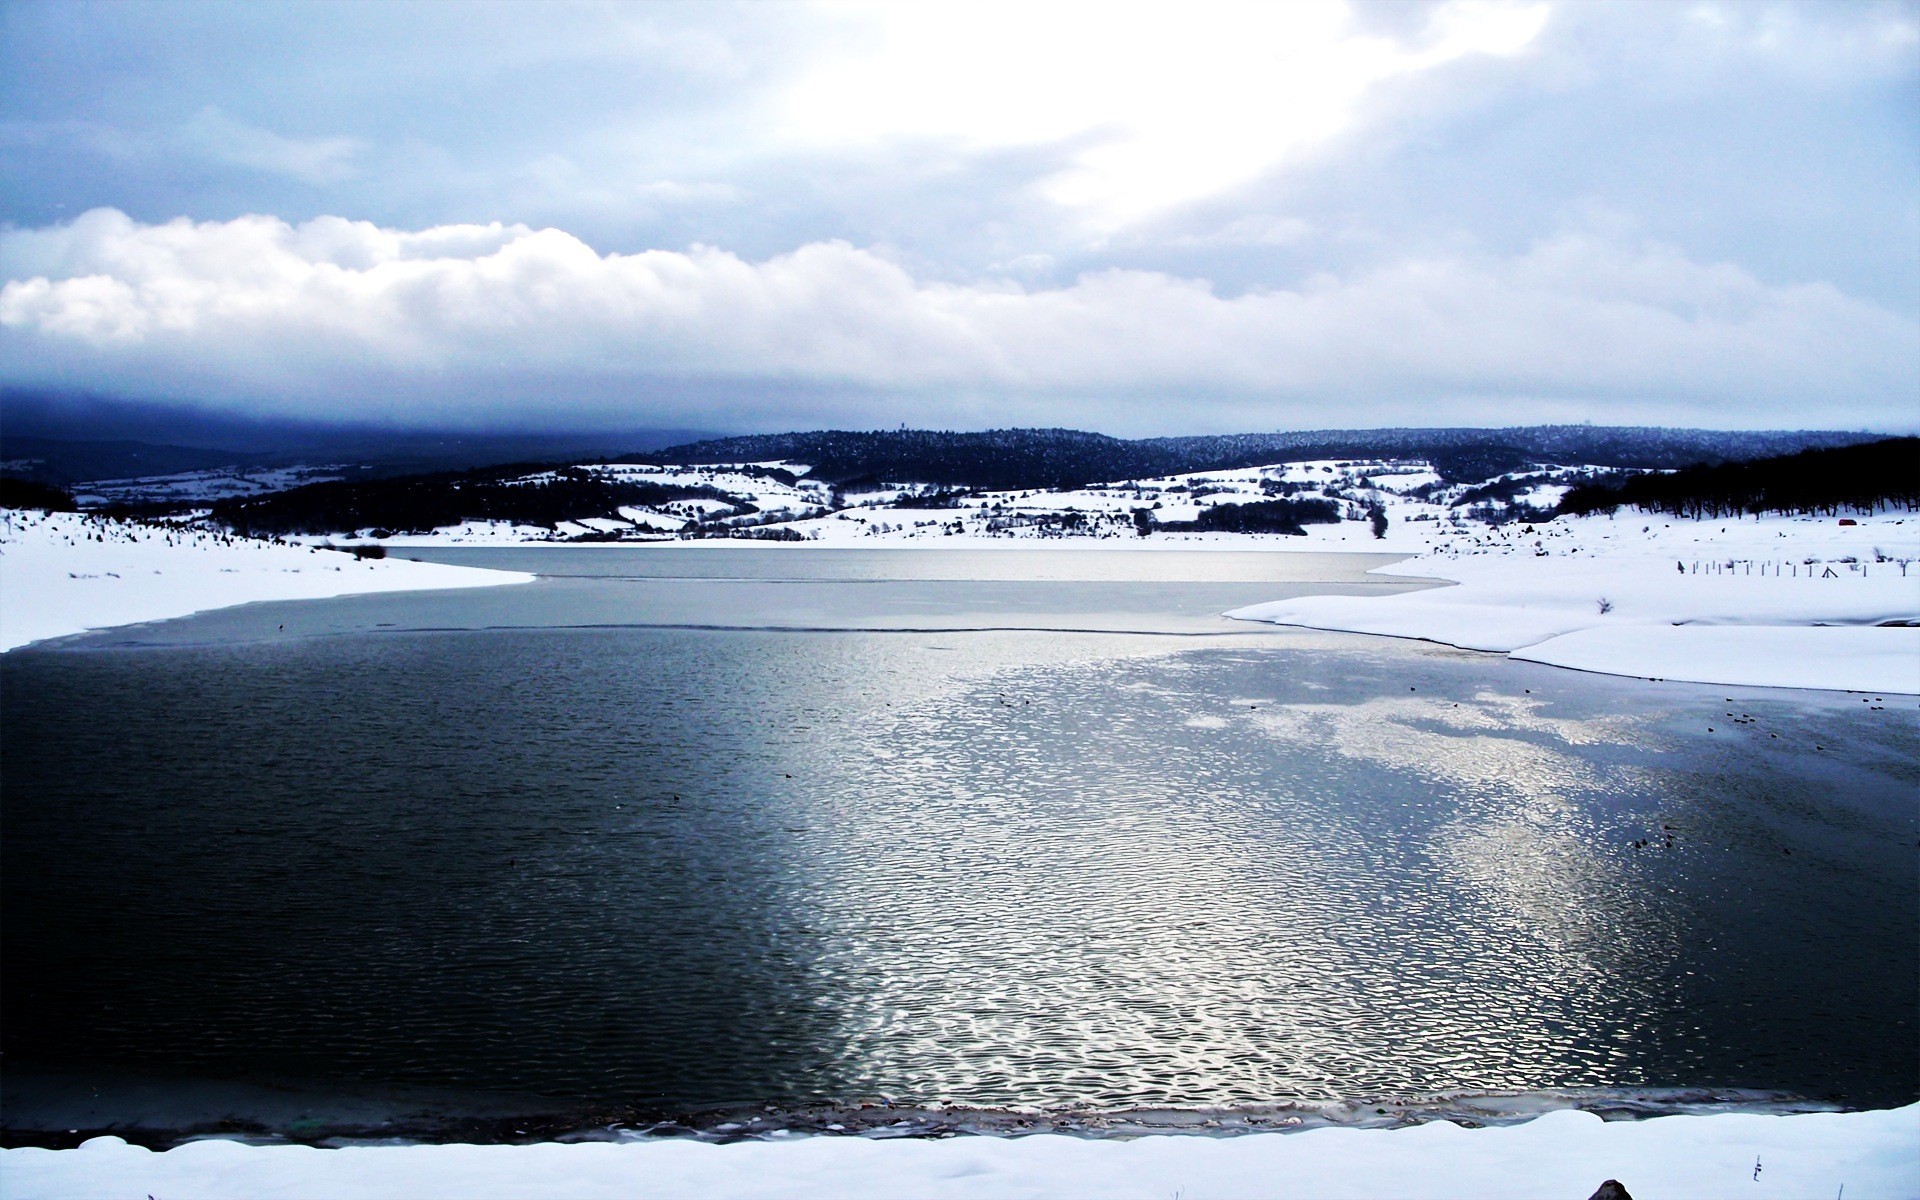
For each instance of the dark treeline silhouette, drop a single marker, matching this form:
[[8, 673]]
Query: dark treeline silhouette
[[26, 493], [999, 459], [1259, 516], [1863, 479], [418, 503], [1012, 459], [1473, 455], [1502, 491]]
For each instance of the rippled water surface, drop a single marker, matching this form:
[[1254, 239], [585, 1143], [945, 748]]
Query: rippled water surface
[[613, 860]]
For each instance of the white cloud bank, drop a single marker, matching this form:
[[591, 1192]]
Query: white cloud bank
[[304, 318]]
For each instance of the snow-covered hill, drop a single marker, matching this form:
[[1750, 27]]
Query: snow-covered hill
[[202, 487], [779, 501]]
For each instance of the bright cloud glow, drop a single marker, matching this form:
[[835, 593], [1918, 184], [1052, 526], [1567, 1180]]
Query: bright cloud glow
[[1167, 106], [258, 305]]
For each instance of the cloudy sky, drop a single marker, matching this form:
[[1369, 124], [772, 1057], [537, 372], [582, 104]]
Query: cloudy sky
[[1137, 218]]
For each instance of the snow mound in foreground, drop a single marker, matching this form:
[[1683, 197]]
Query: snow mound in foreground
[[1565, 1154]]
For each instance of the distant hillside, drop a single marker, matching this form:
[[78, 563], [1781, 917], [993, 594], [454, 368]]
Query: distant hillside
[[1066, 458], [65, 461], [1022, 483], [526, 495], [61, 461], [997, 458], [80, 436]]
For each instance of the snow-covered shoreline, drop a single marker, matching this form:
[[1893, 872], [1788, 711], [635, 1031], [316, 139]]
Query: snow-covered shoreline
[[1863, 1155], [470, 537], [67, 573], [1779, 602], [1794, 602]]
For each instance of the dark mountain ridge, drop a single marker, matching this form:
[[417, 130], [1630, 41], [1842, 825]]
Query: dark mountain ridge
[[63, 437], [995, 458], [1067, 458], [62, 461], [523, 493], [66, 461]]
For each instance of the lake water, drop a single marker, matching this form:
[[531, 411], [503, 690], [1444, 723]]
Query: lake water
[[684, 830]]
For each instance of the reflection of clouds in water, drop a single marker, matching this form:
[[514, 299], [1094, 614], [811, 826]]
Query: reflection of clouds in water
[[1546, 882], [1525, 860], [1528, 713], [1122, 890], [1031, 927], [1031, 866], [1058, 899], [1469, 745]]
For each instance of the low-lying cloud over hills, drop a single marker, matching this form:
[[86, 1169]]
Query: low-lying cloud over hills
[[1129, 219], [464, 319]]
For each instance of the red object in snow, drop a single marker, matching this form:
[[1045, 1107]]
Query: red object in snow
[[1848, 521]]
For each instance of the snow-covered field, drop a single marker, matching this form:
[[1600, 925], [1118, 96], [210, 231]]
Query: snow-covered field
[[1858, 1156], [887, 515], [65, 573], [1103, 514], [1781, 601], [203, 487]]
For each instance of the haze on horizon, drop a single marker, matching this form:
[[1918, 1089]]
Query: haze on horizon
[[1136, 218]]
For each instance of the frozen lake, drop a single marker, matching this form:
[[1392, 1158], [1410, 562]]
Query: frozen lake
[[680, 829]]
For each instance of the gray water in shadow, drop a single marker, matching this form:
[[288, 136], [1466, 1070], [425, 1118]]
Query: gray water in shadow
[[425, 841], [709, 587]]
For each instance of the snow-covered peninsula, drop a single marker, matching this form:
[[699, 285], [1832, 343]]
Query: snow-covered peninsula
[[1802, 602], [66, 573]]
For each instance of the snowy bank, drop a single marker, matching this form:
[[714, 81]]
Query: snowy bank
[[65, 573], [1562, 1154], [1782, 602]]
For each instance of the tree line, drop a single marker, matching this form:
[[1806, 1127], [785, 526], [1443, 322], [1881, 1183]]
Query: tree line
[[522, 494], [29, 493], [1019, 459], [1862, 479], [1258, 516]]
